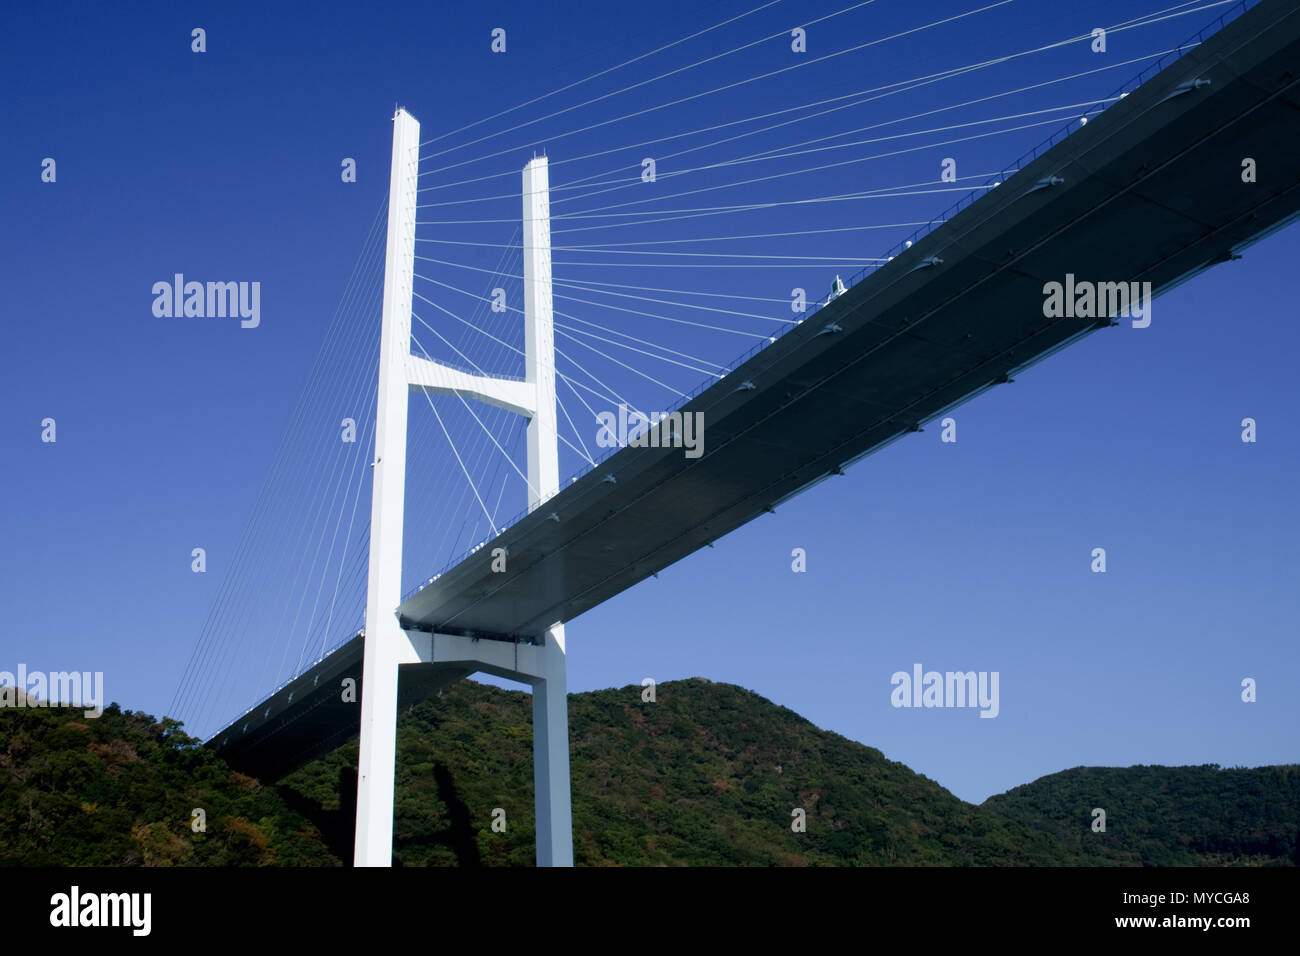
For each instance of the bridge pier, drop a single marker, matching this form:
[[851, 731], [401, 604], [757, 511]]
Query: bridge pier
[[543, 665], [553, 809]]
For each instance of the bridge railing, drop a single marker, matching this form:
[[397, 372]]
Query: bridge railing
[[1061, 134]]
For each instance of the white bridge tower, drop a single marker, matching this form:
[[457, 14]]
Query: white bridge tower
[[387, 645]]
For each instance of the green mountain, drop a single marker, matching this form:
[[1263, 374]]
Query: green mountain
[[708, 774], [1165, 816], [121, 790]]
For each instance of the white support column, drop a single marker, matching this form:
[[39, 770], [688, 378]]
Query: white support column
[[542, 666], [553, 809], [386, 646]]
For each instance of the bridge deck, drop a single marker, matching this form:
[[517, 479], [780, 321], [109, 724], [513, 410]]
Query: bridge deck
[[1151, 191]]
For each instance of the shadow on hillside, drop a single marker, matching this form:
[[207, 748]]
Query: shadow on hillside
[[337, 827], [459, 836]]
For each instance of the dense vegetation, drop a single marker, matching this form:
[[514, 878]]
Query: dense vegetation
[[708, 774], [1165, 816], [120, 790]]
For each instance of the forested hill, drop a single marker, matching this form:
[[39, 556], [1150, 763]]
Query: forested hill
[[707, 774], [1165, 816], [121, 790]]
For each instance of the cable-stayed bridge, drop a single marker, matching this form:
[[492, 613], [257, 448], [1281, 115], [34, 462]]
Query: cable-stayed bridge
[[1181, 171]]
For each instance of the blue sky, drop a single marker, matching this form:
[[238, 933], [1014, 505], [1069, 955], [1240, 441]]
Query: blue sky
[[225, 165]]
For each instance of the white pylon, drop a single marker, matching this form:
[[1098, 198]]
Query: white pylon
[[552, 795], [539, 333], [385, 641], [387, 646]]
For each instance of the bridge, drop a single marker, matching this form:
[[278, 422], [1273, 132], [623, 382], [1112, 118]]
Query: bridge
[[1183, 172]]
